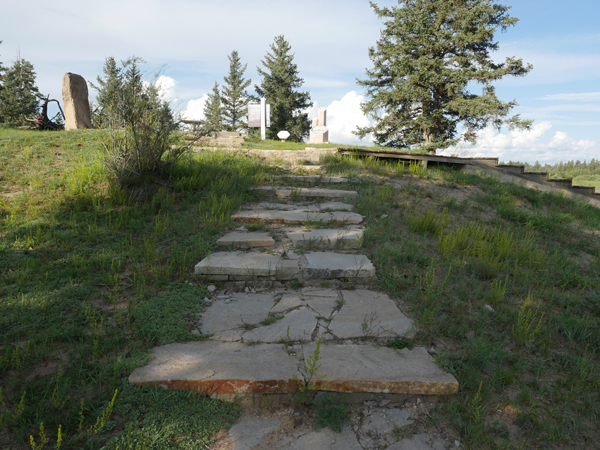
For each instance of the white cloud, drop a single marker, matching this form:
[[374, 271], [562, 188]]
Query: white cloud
[[166, 88], [529, 146], [581, 97], [343, 116], [195, 109]]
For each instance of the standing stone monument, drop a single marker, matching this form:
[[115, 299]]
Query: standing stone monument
[[75, 100], [319, 134]]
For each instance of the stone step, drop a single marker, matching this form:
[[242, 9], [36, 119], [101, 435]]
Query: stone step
[[298, 217], [212, 367], [364, 368], [251, 266], [328, 206], [311, 180], [291, 192], [246, 240], [325, 239], [305, 317]]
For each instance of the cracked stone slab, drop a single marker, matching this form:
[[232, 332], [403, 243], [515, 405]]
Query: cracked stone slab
[[224, 320], [248, 432], [417, 442], [364, 368], [324, 301], [298, 217], [213, 367], [287, 302], [327, 238], [238, 264], [337, 265], [300, 324], [247, 240], [368, 313], [324, 440], [287, 192]]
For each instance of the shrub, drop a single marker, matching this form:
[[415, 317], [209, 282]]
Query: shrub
[[142, 142]]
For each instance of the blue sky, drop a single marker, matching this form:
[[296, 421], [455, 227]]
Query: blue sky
[[190, 40]]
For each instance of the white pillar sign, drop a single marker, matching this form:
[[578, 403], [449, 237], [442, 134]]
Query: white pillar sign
[[259, 116], [263, 118]]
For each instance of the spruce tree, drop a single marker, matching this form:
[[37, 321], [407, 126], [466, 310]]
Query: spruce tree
[[107, 89], [279, 86], [430, 53], [19, 96], [234, 97], [111, 89], [213, 111]]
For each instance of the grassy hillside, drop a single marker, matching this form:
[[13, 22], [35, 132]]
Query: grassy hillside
[[504, 284]]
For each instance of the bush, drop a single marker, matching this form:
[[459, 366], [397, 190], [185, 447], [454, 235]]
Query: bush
[[142, 142]]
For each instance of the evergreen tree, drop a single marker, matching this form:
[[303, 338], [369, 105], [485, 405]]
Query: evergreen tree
[[107, 90], [234, 96], [428, 53], [279, 86], [213, 112], [111, 89], [19, 96]]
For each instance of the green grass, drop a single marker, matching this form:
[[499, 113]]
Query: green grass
[[452, 245], [89, 282]]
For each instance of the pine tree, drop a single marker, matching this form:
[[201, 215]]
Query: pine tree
[[19, 96], [428, 53], [279, 86], [234, 96], [107, 90], [213, 111]]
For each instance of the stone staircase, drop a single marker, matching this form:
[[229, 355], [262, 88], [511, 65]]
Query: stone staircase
[[534, 180], [285, 292]]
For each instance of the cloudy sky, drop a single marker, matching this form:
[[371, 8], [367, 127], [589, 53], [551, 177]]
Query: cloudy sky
[[190, 40]]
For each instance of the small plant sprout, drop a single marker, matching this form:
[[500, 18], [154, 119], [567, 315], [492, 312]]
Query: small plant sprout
[[529, 322], [310, 380]]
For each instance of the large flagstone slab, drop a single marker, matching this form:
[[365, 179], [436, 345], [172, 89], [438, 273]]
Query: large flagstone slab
[[224, 320], [347, 238], [336, 265], [238, 264], [369, 314], [220, 367], [288, 192], [297, 325], [247, 240], [365, 368], [324, 301], [328, 206], [298, 217]]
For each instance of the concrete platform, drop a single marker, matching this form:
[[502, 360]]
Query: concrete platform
[[220, 367], [344, 238], [244, 240], [364, 368], [298, 217]]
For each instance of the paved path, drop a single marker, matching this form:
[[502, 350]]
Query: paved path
[[291, 292]]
